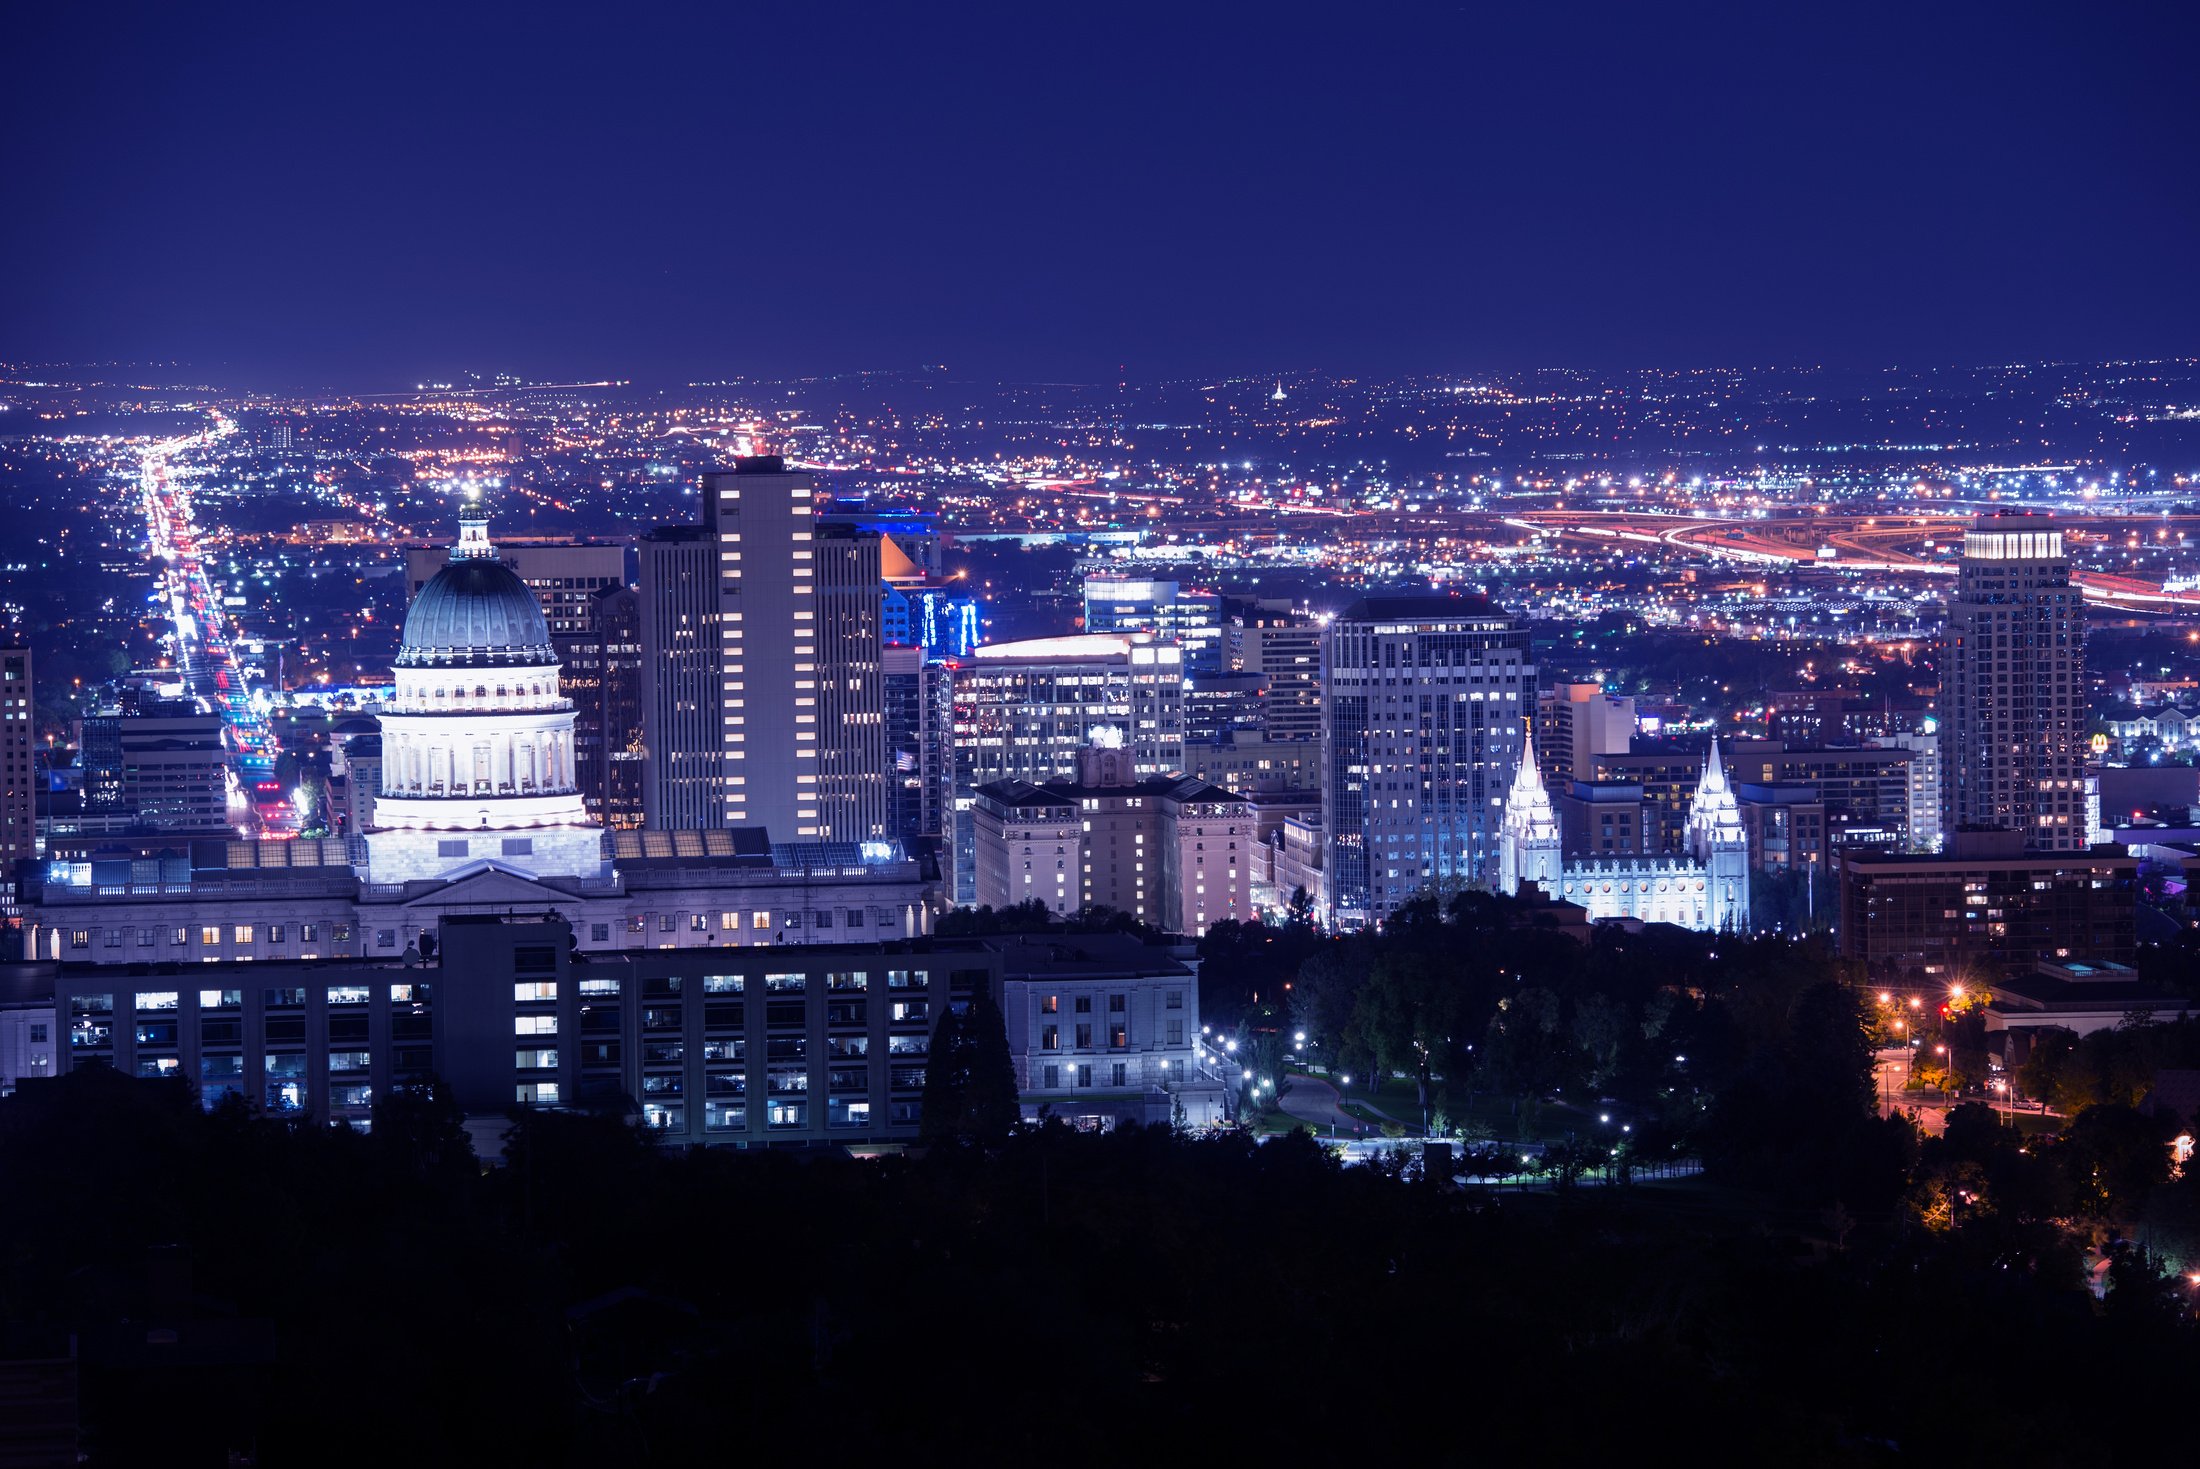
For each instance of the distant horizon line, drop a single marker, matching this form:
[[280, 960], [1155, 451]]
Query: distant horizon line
[[487, 383]]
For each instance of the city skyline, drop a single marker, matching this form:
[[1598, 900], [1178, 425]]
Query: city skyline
[[943, 730]]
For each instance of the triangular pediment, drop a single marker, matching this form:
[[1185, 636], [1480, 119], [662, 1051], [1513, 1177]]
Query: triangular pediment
[[481, 881]]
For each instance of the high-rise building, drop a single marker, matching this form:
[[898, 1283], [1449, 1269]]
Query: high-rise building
[[18, 763], [2013, 695], [920, 724], [1220, 707], [1284, 646], [602, 675], [1423, 699], [1023, 711], [684, 769], [1924, 782], [1575, 723], [801, 699], [853, 797], [160, 766], [1191, 618]]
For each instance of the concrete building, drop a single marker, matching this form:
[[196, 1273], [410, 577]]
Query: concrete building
[[1923, 746], [1168, 610], [683, 768], [1223, 706], [2013, 688], [1284, 646], [30, 1039], [1786, 826], [1577, 722], [1423, 701], [160, 768], [1249, 763], [853, 764], [1603, 818], [564, 577], [18, 764], [1295, 856], [361, 759], [1024, 711], [267, 901], [2074, 997], [1988, 902], [1865, 789], [1172, 851], [801, 703], [1103, 1029], [759, 1047], [602, 675]]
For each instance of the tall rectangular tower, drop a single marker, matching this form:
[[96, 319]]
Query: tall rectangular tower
[[1285, 647], [2013, 690], [853, 793], [1422, 705], [18, 762], [683, 778], [802, 703]]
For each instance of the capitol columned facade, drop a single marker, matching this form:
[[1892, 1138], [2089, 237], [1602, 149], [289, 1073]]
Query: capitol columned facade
[[477, 747]]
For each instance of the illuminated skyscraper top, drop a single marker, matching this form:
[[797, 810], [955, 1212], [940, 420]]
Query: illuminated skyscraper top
[[2013, 688]]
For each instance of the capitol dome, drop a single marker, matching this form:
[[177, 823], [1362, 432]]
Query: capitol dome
[[475, 612]]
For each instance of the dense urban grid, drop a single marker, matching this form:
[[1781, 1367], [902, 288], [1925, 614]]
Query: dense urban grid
[[1158, 871]]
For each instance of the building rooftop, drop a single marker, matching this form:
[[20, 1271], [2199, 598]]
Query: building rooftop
[[2092, 985], [1067, 794], [1063, 955], [1385, 609]]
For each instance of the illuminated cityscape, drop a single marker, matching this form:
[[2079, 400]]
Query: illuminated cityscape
[[1072, 686]]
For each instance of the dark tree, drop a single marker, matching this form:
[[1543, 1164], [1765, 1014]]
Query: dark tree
[[946, 1081], [989, 1110]]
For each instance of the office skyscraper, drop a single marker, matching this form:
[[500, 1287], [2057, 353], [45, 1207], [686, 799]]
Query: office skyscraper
[[603, 677], [1422, 705], [1025, 710], [18, 763], [683, 772], [1167, 609], [1269, 638], [2013, 690], [802, 702]]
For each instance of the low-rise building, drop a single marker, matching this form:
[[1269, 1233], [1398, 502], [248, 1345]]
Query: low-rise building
[[2079, 998], [205, 901], [754, 1047], [1173, 851], [1104, 1029], [1986, 901]]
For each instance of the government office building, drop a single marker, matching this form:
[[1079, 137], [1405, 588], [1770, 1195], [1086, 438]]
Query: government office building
[[755, 1047]]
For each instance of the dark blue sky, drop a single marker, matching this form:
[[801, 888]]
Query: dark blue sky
[[363, 194]]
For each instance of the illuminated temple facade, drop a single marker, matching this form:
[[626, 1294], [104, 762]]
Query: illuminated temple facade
[[1705, 887]]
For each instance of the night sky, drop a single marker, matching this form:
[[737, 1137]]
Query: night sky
[[363, 195]]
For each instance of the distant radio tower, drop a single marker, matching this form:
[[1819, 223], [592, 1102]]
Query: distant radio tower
[[1278, 395]]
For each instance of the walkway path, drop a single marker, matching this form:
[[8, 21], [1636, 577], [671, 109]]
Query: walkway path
[[1317, 1104]]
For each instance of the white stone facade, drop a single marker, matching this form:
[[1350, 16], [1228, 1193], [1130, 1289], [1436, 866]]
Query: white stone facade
[[1705, 888]]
